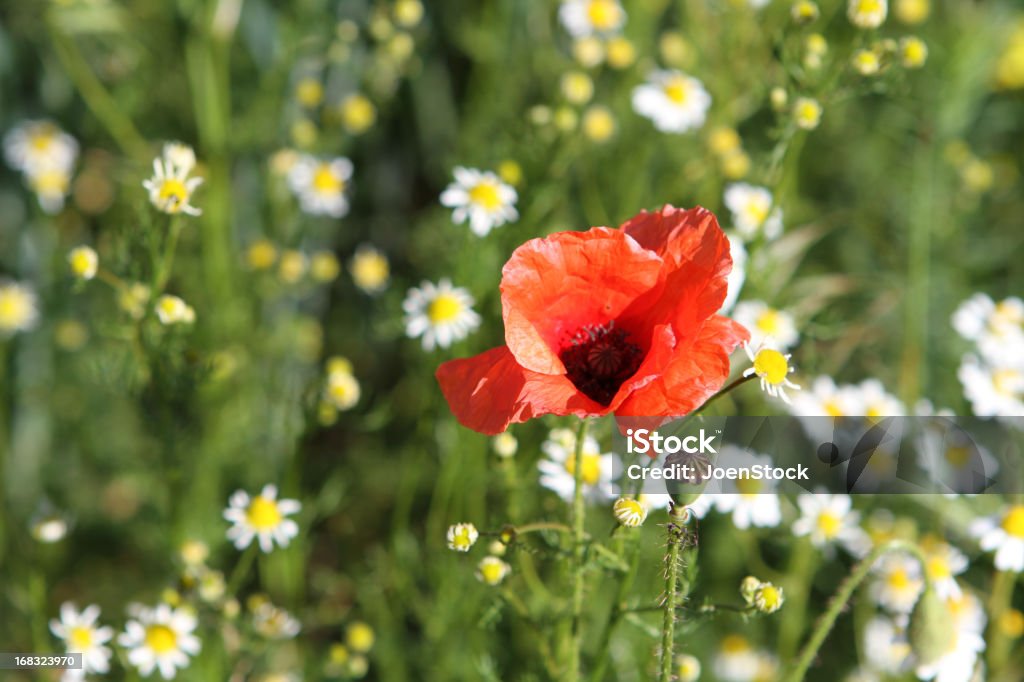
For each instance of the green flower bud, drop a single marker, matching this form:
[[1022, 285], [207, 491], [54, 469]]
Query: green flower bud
[[932, 630]]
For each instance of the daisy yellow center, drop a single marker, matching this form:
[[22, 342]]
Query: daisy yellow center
[[263, 514], [462, 538], [14, 309], [769, 597], [1006, 312], [161, 639], [829, 524], [833, 409], [492, 572], [326, 182], [591, 467], [50, 182], [169, 307], [807, 112], [869, 6], [771, 365], [444, 308], [1004, 381], [748, 486], [734, 644], [677, 90], [1013, 522], [173, 192], [41, 141], [80, 638], [370, 270], [485, 194], [603, 14], [757, 211], [899, 580], [958, 456], [770, 322], [81, 262], [938, 568]]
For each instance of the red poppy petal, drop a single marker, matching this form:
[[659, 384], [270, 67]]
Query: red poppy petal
[[552, 287], [697, 265], [695, 372], [490, 391]]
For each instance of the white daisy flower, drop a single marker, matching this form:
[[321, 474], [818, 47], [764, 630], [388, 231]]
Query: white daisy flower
[[993, 390], [51, 184], [826, 399], [582, 18], [82, 634], [1003, 534], [687, 668], [491, 570], [173, 310], [160, 638], [18, 307], [959, 662], [674, 101], [273, 622], [557, 470], [997, 328], [736, 660], [773, 368], [898, 583], [952, 460], [737, 275], [370, 269], [320, 184], [341, 389], [262, 516], [629, 512], [827, 519], [753, 211], [885, 646], [170, 189], [877, 402], [462, 536], [180, 157], [440, 313], [35, 145], [943, 563], [751, 502], [766, 323], [84, 262], [867, 13], [482, 198]]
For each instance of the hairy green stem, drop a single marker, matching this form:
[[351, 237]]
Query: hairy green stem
[[619, 609], [578, 551], [846, 589], [676, 534], [242, 568]]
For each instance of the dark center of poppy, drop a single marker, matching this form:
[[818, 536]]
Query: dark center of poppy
[[598, 358]]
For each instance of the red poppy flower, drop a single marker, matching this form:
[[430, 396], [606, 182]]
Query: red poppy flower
[[605, 321]]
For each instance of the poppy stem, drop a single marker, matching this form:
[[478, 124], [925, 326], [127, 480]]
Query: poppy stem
[[676, 535], [578, 555]]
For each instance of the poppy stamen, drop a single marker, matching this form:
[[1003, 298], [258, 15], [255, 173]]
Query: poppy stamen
[[599, 358]]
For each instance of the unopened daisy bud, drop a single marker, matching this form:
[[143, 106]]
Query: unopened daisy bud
[[674, 49], [629, 512], [261, 254], [816, 44], [598, 124], [462, 536], [723, 140], [211, 586], [577, 87], [510, 171], [324, 266], [913, 11], [408, 13], [565, 119], [357, 114], [735, 165], [768, 598], [804, 11], [359, 637], [309, 92], [807, 113], [932, 628], [133, 298], [540, 115], [304, 133], [170, 596], [1011, 623], [292, 266], [497, 548], [492, 570], [231, 609], [687, 668], [84, 262], [357, 667], [401, 47], [621, 52], [779, 98], [338, 654], [370, 269], [505, 445], [913, 52], [507, 535], [342, 390], [748, 588], [867, 13], [194, 552], [866, 62], [589, 51]]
